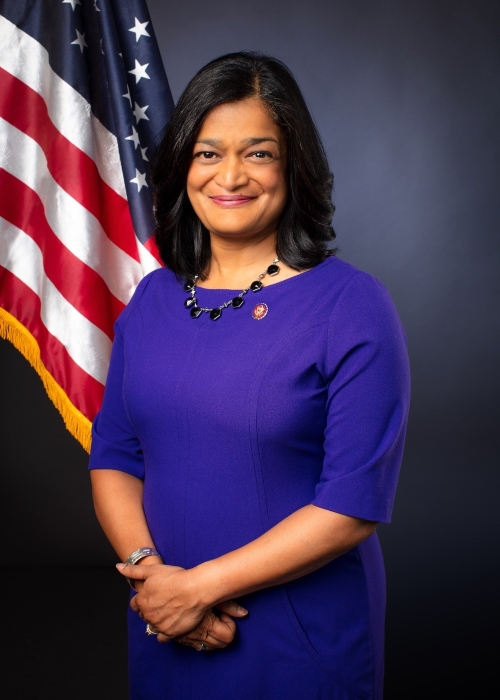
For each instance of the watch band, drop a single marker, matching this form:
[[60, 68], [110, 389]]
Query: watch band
[[139, 554]]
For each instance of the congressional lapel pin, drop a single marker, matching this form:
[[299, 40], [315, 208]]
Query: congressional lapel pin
[[259, 311]]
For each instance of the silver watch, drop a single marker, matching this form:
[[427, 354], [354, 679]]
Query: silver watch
[[139, 554]]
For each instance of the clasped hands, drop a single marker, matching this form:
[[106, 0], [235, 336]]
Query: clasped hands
[[169, 599]]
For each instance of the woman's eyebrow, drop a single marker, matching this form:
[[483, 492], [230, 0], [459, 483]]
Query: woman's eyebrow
[[255, 141], [252, 141], [210, 142]]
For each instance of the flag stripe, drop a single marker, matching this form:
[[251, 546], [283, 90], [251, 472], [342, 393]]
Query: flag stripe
[[149, 255], [152, 248], [69, 111], [70, 167], [88, 346], [20, 301], [75, 227], [77, 282]]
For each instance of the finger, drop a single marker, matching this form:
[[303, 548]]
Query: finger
[[223, 630], [231, 607], [163, 638], [210, 643], [135, 605], [135, 571], [214, 630], [227, 619]]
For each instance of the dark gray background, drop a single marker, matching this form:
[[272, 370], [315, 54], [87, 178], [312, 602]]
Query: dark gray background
[[406, 97]]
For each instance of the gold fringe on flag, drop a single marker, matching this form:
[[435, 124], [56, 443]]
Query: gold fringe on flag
[[78, 425]]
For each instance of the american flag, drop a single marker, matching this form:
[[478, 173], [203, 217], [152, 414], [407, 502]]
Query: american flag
[[83, 97]]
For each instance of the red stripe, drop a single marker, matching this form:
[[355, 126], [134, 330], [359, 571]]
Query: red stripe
[[77, 282], [84, 392], [70, 167], [151, 246]]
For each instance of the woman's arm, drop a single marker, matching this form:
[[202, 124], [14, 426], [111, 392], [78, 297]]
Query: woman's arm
[[172, 599], [118, 506], [301, 543]]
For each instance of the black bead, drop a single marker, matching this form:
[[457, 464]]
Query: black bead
[[190, 301], [237, 302], [272, 270], [195, 312], [215, 314], [188, 286], [256, 286]]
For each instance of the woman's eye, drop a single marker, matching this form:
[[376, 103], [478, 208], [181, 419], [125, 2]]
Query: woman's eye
[[264, 156], [205, 155]]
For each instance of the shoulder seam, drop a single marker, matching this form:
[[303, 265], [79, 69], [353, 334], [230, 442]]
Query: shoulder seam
[[355, 277]]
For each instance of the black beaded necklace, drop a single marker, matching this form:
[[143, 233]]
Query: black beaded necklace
[[237, 302]]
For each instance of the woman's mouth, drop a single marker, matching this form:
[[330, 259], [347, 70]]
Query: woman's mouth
[[231, 200]]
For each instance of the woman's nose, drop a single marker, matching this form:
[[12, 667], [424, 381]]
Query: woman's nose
[[231, 173]]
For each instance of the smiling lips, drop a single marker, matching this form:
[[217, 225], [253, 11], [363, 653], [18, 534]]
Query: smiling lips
[[233, 200]]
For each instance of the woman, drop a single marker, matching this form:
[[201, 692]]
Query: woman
[[254, 416]]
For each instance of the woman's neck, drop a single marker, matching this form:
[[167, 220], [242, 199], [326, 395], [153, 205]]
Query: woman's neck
[[234, 265]]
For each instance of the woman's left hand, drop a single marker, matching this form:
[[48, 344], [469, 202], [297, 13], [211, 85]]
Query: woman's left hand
[[168, 600]]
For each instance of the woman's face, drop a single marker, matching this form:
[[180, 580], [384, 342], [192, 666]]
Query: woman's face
[[237, 179]]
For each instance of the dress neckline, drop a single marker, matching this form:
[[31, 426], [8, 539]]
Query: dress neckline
[[267, 287]]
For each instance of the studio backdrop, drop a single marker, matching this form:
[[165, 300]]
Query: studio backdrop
[[407, 101]]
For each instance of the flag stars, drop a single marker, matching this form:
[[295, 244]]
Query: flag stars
[[139, 29], [73, 3], [139, 180], [143, 153], [140, 113], [95, 6], [134, 136], [80, 40], [139, 71], [127, 95]]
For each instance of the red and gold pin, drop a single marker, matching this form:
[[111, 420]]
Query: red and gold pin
[[260, 311]]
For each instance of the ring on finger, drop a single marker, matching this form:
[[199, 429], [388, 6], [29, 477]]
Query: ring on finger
[[150, 630], [202, 647]]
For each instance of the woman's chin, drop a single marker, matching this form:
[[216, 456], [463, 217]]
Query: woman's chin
[[234, 227]]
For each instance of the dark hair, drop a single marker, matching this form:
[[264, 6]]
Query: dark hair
[[304, 230]]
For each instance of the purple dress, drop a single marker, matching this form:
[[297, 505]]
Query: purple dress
[[234, 424]]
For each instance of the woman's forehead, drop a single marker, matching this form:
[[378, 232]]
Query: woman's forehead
[[247, 120]]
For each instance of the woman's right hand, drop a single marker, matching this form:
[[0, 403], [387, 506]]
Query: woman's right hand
[[214, 631]]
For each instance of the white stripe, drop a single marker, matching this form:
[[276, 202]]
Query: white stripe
[[86, 344], [148, 261], [74, 225], [23, 57]]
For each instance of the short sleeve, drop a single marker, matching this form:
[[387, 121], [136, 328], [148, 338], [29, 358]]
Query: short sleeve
[[115, 444], [367, 405]]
